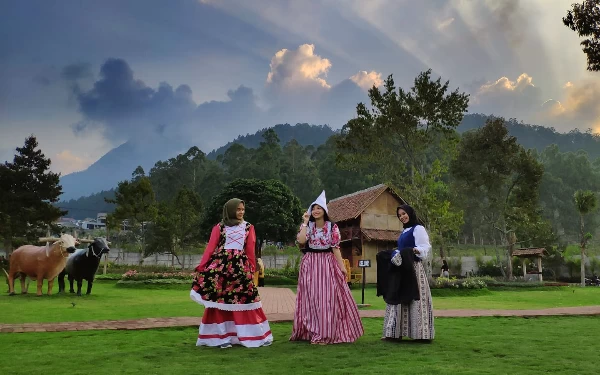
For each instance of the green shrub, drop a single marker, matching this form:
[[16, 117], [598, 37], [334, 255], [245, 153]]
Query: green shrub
[[135, 275], [109, 276], [154, 283], [454, 283]]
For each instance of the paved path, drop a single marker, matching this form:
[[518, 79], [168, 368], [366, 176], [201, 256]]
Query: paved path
[[278, 304]]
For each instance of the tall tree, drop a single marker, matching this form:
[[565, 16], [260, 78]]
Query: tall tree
[[586, 202], [271, 207], [27, 192], [584, 19], [401, 137], [492, 168], [177, 225], [136, 204]]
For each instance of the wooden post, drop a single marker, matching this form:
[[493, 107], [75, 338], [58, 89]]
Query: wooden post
[[106, 254], [539, 261], [524, 269]]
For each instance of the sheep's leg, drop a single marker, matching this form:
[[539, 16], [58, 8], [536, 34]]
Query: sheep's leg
[[89, 286], [61, 282], [50, 285], [79, 285], [23, 287], [40, 282], [11, 283], [71, 290]]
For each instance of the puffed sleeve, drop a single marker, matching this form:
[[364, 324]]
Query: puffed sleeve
[[422, 241], [250, 248], [210, 247], [335, 236]]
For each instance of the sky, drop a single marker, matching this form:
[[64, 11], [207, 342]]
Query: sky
[[84, 77]]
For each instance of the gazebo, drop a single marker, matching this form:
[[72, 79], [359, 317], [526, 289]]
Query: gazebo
[[531, 252]]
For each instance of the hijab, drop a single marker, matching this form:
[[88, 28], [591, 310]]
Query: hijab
[[230, 211], [412, 216]]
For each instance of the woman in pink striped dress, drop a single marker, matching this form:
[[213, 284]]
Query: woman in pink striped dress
[[325, 312]]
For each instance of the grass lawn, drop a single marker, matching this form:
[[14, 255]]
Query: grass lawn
[[558, 345], [517, 298], [108, 302]]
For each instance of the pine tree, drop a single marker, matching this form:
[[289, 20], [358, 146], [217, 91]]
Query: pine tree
[[27, 191]]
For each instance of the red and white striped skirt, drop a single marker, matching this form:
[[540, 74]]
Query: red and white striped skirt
[[325, 312], [249, 328]]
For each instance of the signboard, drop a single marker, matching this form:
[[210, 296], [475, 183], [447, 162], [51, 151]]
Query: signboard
[[362, 263]]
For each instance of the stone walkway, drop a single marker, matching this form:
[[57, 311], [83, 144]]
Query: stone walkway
[[278, 304]]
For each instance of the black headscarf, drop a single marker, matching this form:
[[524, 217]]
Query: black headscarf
[[412, 216]]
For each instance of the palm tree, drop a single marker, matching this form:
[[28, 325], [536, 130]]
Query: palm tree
[[585, 202]]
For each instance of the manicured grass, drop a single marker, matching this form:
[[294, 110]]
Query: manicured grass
[[557, 345], [108, 302], [522, 299]]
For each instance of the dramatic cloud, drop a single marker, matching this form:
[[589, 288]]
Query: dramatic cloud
[[366, 80], [579, 107], [127, 108], [299, 69], [297, 91], [519, 98], [67, 162]]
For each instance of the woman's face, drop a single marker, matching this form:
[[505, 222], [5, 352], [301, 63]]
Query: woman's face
[[403, 216], [239, 213], [317, 211]]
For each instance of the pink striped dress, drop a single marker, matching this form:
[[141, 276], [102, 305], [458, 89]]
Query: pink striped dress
[[325, 312]]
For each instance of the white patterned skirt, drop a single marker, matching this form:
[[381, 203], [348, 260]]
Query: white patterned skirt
[[414, 320]]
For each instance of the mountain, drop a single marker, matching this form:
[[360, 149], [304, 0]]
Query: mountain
[[118, 164], [539, 137], [305, 134]]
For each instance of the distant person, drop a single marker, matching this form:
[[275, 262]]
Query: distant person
[[233, 311], [445, 269], [326, 312], [403, 283]]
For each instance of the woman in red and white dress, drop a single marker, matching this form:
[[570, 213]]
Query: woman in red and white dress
[[325, 312], [233, 311]]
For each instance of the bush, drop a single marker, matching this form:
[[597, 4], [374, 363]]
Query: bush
[[138, 276], [489, 268], [454, 283], [108, 276], [154, 283], [279, 280]]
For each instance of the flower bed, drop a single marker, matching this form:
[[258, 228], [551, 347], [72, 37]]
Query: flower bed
[[153, 283], [454, 283], [133, 275]]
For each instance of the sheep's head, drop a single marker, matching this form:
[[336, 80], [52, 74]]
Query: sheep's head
[[99, 247], [68, 242], [65, 245]]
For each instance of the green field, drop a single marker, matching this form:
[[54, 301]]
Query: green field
[[108, 302], [549, 345]]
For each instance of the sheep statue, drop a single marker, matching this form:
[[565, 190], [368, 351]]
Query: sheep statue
[[40, 262], [82, 265]]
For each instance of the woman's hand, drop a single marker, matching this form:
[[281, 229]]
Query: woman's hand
[[305, 217], [416, 251], [344, 270]]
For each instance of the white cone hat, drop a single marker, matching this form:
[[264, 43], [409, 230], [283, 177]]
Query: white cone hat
[[321, 201]]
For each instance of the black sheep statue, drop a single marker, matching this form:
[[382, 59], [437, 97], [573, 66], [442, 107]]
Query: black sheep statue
[[82, 265]]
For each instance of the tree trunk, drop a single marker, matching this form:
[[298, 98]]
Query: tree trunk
[[8, 245], [509, 251], [583, 241]]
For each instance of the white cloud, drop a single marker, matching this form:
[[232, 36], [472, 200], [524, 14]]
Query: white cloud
[[67, 162], [366, 80], [300, 68], [578, 107], [519, 98]]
